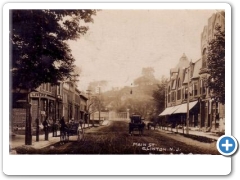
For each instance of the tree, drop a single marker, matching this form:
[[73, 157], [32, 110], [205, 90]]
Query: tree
[[159, 95], [147, 77], [39, 52], [216, 65]]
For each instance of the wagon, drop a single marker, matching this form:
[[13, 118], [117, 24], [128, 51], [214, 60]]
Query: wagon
[[72, 129], [136, 124]]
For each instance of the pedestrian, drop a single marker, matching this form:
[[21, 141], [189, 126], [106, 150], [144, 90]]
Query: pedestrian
[[63, 127], [45, 127], [45, 123]]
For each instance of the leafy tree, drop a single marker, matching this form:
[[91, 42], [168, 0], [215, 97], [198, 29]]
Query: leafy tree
[[147, 77], [159, 95], [216, 64], [39, 52], [148, 72]]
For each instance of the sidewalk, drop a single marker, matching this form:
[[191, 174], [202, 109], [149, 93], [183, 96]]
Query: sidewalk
[[210, 135], [16, 140]]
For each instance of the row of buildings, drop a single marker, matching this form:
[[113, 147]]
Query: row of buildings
[[52, 101], [189, 78]]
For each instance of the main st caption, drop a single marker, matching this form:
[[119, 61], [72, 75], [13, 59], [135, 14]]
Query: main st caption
[[154, 147]]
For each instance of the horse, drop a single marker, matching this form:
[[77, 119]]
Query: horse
[[152, 124]]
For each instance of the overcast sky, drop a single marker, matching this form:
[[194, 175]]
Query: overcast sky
[[121, 42]]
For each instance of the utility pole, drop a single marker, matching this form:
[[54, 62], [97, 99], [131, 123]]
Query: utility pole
[[73, 99], [99, 104], [88, 105], [187, 124]]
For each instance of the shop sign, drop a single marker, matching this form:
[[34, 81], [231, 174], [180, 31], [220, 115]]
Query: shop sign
[[37, 94]]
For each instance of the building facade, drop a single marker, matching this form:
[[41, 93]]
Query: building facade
[[51, 101], [187, 88]]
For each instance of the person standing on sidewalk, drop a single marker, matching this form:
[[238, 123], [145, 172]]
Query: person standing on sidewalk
[[63, 127], [45, 127]]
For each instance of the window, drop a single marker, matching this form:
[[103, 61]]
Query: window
[[204, 59], [179, 94], [179, 89], [169, 94], [186, 92], [173, 96], [195, 89], [204, 88], [174, 84], [183, 92], [58, 90]]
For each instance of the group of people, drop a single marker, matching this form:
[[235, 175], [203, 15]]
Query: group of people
[[63, 125]]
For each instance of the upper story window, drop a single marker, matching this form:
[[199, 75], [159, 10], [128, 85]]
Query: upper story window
[[183, 92], [46, 87], [186, 93], [204, 59], [179, 89], [59, 90], [173, 94], [169, 94], [195, 89], [202, 87]]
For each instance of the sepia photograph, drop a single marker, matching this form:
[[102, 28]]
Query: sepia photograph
[[116, 81]]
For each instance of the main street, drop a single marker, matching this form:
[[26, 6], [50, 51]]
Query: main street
[[114, 139]]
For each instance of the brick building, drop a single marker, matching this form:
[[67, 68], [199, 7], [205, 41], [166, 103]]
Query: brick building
[[53, 101], [188, 78]]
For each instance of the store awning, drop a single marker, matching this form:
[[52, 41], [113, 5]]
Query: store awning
[[169, 110], [183, 107], [166, 111]]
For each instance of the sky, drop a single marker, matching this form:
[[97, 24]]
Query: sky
[[121, 42]]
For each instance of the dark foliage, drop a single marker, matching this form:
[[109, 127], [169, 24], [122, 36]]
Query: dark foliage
[[216, 65], [39, 52]]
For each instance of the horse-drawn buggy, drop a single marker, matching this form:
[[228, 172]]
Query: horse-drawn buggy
[[136, 124], [70, 129]]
